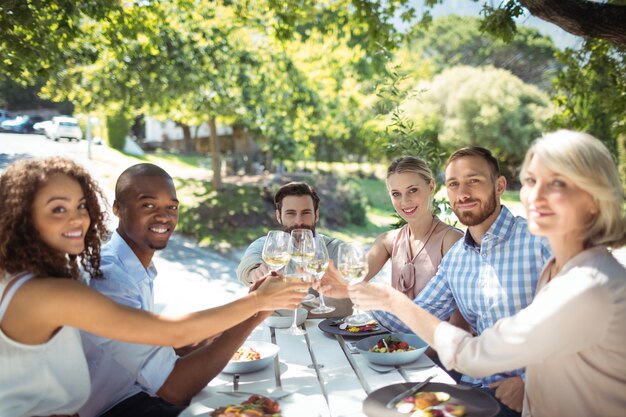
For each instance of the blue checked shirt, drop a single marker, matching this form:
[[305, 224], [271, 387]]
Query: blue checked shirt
[[486, 282]]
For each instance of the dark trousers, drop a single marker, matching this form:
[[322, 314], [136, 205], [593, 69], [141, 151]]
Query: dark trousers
[[143, 405], [504, 410]]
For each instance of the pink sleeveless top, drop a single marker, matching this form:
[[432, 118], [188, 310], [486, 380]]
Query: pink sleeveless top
[[410, 274]]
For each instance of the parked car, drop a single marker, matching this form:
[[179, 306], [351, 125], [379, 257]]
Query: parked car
[[64, 127], [42, 128], [21, 124], [4, 115]]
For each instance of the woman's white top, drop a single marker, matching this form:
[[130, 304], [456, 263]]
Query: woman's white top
[[40, 380], [571, 338]]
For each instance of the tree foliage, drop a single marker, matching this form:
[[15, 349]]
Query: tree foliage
[[454, 40], [591, 92], [35, 35], [484, 106]]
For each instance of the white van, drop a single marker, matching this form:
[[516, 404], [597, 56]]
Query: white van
[[64, 127]]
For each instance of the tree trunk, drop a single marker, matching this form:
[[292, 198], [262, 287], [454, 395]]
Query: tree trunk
[[215, 154], [583, 18], [187, 138]]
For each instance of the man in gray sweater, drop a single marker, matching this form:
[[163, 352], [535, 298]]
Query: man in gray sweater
[[297, 207]]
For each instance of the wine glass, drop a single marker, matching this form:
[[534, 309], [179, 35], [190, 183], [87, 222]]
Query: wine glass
[[352, 264], [301, 251], [317, 266], [276, 249], [301, 246]]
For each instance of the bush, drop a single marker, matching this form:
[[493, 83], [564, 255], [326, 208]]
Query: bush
[[117, 127]]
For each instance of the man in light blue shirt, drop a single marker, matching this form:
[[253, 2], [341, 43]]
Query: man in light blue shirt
[[139, 380]]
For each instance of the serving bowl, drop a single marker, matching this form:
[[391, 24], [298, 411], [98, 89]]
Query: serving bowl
[[266, 350], [282, 319], [392, 358]]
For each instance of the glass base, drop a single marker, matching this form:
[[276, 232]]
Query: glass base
[[358, 319], [322, 309], [296, 331]]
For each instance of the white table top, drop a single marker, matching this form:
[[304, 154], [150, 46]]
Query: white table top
[[326, 379]]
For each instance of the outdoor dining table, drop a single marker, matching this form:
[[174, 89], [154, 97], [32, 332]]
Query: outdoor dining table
[[319, 370]]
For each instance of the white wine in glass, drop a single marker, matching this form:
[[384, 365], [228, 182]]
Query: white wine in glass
[[317, 266], [352, 265], [301, 246], [301, 251], [276, 249], [298, 274]]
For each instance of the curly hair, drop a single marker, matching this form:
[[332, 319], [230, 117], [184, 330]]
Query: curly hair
[[21, 247]]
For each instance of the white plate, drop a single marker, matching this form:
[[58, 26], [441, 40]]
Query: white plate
[[296, 405]]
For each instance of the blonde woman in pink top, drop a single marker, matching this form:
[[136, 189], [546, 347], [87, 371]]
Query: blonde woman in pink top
[[416, 248]]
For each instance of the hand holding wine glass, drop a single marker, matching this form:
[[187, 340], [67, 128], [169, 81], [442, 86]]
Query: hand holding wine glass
[[353, 266], [317, 266]]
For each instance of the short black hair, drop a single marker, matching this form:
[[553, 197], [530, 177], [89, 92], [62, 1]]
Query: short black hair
[[138, 170], [296, 189], [480, 152]]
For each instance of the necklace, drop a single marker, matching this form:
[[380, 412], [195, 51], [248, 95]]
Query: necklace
[[422, 242]]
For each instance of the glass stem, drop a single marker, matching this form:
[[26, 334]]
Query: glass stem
[[322, 303], [295, 319]]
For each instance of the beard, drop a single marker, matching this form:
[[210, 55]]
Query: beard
[[472, 219], [299, 226]]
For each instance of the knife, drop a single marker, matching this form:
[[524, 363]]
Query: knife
[[392, 402]]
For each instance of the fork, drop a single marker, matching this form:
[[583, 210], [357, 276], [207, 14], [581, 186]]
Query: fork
[[274, 395]]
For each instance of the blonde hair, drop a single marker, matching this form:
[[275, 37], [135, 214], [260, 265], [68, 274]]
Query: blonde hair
[[589, 164], [411, 164], [415, 165]]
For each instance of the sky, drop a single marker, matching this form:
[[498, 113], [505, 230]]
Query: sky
[[561, 38]]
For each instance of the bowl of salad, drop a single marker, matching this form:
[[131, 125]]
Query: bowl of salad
[[392, 349], [252, 356]]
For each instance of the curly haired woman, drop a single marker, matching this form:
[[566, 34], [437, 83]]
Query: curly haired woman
[[51, 226]]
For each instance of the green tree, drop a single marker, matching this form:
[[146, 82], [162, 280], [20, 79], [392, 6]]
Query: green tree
[[591, 92], [481, 106], [458, 40]]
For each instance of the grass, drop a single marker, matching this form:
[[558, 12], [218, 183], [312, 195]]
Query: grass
[[511, 196]]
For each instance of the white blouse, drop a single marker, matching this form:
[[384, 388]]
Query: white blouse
[[571, 339], [45, 379]]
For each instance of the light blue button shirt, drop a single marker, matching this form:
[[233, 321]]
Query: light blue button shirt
[[120, 370], [485, 282]]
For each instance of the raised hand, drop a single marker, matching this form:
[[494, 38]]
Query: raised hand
[[371, 296], [275, 293]]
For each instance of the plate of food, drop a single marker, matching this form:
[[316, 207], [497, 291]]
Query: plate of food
[[252, 356], [435, 399], [393, 349], [335, 325], [257, 405]]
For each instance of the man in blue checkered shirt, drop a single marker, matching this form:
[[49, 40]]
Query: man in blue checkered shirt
[[491, 273]]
